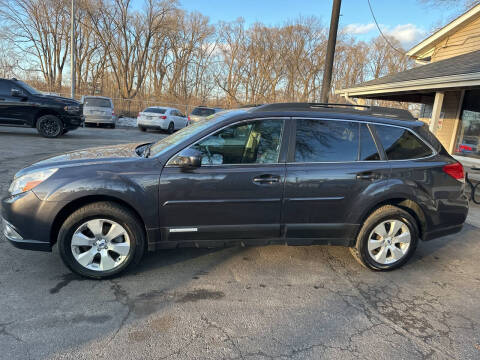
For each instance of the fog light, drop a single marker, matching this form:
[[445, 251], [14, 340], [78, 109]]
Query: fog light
[[10, 232]]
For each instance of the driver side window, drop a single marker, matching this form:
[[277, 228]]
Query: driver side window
[[255, 142]]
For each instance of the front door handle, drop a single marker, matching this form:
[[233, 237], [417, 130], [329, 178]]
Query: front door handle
[[266, 179], [368, 176]]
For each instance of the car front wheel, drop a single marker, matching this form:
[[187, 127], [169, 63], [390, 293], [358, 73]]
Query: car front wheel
[[387, 239], [101, 240], [49, 126]]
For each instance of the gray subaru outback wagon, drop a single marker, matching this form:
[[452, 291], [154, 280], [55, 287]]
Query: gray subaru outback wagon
[[375, 180]]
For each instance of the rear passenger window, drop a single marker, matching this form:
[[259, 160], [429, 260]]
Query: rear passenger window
[[401, 144], [368, 149], [326, 141]]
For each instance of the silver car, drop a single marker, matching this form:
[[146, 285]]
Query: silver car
[[202, 112], [98, 110]]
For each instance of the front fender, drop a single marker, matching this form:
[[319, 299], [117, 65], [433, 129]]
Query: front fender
[[139, 189]]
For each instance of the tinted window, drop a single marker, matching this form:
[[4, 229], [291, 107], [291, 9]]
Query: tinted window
[[245, 143], [368, 149], [97, 102], [401, 144], [5, 88], [203, 111], [27, 87], [326, 141], [155, 110]]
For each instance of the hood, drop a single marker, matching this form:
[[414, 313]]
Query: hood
[[60, 99], [86, 157]]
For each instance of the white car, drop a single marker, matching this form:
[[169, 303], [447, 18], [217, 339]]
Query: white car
[[161, 118]]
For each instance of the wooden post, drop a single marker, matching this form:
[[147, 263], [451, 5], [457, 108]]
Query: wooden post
[[437, 109], [453, 140]]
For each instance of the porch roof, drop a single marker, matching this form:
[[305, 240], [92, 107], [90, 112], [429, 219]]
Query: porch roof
[[460, 72]]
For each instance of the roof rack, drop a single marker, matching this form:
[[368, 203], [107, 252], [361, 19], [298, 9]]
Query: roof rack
[[332, 107]]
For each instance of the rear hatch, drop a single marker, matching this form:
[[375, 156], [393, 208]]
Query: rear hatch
[[97, 108]]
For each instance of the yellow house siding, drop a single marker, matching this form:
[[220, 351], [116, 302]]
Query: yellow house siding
[[464, 40]]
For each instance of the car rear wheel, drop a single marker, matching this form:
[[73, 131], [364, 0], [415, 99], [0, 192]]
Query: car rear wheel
[[171, 128], [101, 240], [49, 126], [387, 239], [142, 128]]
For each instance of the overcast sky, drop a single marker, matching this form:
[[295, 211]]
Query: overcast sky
[[407, 20]]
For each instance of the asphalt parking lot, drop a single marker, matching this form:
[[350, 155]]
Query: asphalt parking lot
[[274, 302]]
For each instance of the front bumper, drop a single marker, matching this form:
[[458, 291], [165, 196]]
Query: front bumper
[[12, 235], [27, 221]]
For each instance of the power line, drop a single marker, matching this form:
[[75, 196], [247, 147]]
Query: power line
[[380, 30]]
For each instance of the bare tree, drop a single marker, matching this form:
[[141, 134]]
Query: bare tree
[[126, 36], [40, 29]]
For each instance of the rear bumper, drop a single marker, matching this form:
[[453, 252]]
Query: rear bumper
[[162, 125], [99, 120]]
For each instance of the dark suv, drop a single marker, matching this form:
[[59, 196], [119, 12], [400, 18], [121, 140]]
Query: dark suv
[[22, 105], [374, 180]]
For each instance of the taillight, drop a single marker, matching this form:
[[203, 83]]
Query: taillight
[[138, 115], [113, 113], [465, 148], [189, 118], [163, 117], [455, 170]]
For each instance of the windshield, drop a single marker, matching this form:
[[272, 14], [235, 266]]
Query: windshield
[[185, 133], [27, 87], [202, 111], [97, 102]]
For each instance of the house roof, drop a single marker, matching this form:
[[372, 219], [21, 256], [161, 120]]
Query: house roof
[[458, 71], [424, 48]]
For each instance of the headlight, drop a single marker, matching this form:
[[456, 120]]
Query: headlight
[[72, 108], [29, 181]]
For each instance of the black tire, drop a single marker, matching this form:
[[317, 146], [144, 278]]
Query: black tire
[[142, 128], [171, 128], [112, 126], [49, 126], [388, 212], [102, 210]]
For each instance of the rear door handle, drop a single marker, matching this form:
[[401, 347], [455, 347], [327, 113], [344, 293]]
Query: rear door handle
[[266, 179], [368, 176]]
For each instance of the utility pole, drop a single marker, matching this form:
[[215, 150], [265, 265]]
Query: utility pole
[[332, 41], [72, 50]]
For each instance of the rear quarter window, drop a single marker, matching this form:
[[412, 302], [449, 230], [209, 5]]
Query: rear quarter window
[[401, 144]]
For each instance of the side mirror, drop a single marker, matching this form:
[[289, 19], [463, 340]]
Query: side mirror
[[17, 93], [188, 159], [189, 162]]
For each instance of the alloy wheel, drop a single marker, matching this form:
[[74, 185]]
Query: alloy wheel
[[389, 241], [100, 244], [50, 127]]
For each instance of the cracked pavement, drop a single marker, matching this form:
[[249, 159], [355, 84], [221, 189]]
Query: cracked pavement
[[273, 302]]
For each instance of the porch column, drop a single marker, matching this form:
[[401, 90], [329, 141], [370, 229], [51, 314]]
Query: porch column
[[437, 108]]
